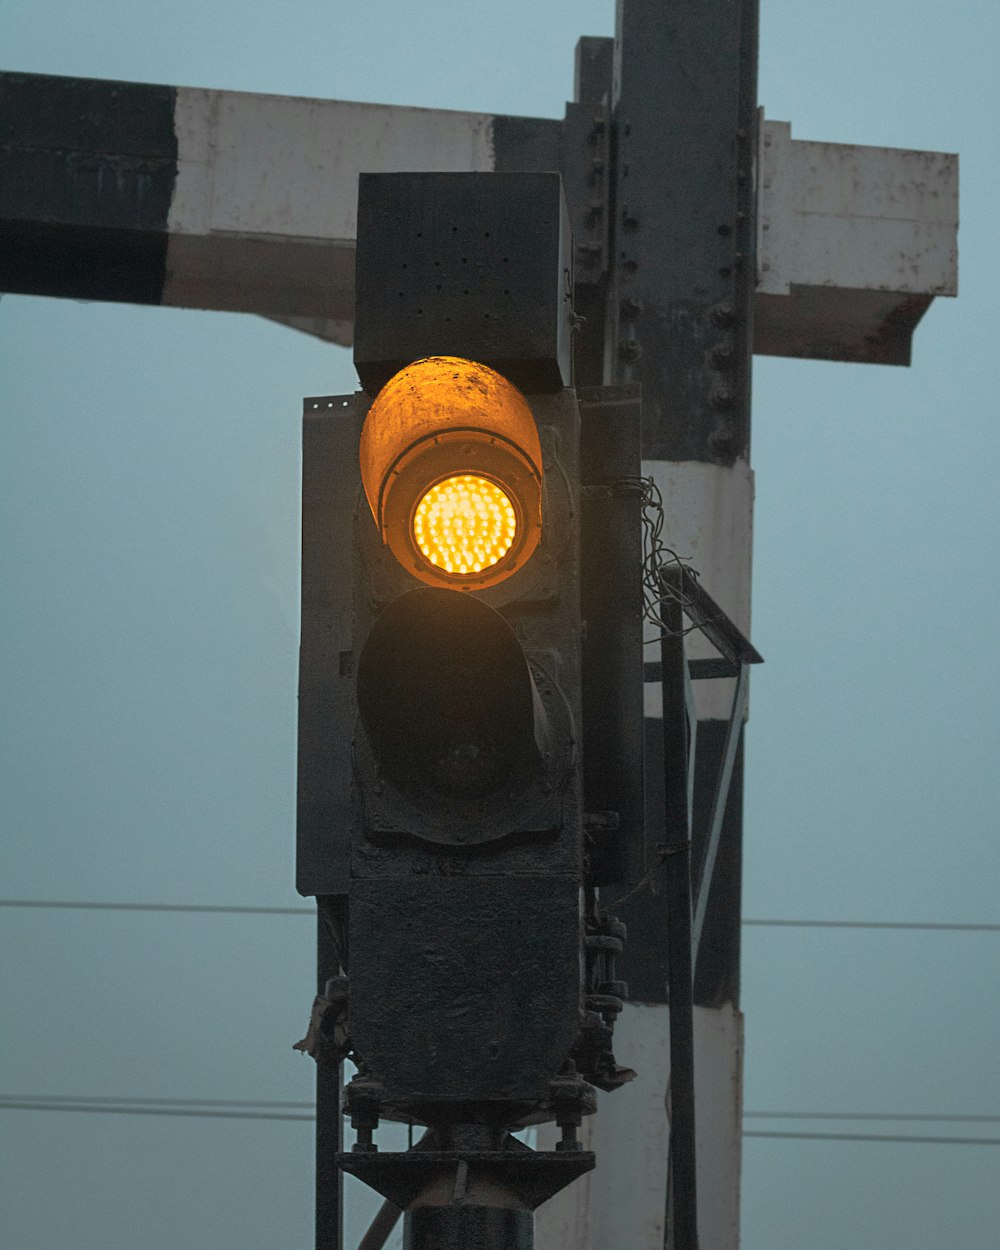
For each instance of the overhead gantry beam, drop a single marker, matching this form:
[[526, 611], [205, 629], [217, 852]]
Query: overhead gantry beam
[[225, 200], [203, 199], [853, 243]]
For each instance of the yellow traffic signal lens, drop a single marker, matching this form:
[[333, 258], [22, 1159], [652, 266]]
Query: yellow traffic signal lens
[[451, 465], [464, 524]]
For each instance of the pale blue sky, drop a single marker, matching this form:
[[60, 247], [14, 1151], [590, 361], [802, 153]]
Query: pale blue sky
[[149, 483]]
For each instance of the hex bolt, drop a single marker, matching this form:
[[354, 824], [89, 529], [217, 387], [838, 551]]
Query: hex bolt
[[569, 1140], [723, 314], [630, 307], [723, 439], [722, 399]]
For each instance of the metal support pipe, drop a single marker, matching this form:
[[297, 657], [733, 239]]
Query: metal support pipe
[[329, 1121], [682, 1215], [465, 1227]]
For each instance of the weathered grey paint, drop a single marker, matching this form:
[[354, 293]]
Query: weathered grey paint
[[853, 243], [243, 202]]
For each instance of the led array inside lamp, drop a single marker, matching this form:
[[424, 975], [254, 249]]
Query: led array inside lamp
[[464, 524]]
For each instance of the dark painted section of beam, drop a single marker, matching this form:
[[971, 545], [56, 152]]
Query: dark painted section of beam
[[593, 69], [611, 600], [681, 325], [820, 323], [685, 121], [577, 148], [73, 262], [645, 961], [586, 170], [87, 115], [87, 173], [526, 144], [717, 974]]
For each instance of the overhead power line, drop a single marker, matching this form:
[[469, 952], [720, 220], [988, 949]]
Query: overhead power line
[[195, 907], [874, 924], [877, 1137], [270, 1104], [257, 1103], [870, 1115], [12, 1104], [311, 911], [210, 1110]]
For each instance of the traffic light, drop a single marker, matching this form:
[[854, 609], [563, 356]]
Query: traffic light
[[443, 693], [467, 854]]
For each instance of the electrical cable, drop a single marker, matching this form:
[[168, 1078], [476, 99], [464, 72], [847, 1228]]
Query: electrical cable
[[930, 926], [187, 907], [877, 1137], [874, 924], [870, 1115], [13, 1104], [275, 1105], [257, 1103]]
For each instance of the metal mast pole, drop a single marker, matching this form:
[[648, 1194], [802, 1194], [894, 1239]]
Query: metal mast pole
[[676, 306], [680, 324]]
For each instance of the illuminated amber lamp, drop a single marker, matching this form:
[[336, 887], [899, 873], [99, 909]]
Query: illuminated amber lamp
[[452, 469]]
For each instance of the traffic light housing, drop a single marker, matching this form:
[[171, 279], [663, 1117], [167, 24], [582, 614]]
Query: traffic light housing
[[465, 802], [443, 679]]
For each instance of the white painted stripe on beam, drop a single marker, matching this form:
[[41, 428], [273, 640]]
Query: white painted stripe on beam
[[264, 212], [850, 218], [708, 522]]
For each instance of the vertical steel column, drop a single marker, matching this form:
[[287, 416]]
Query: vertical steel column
[[685, 116], [680, 325]]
